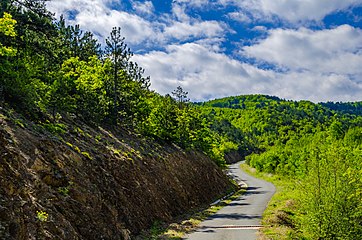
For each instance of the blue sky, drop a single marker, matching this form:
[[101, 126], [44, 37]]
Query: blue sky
[[294, 49]]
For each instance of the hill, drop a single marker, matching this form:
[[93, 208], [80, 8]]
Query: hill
[[70, 180], [314, 149]]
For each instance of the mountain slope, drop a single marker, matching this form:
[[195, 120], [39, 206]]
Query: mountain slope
[[314, 151], [73, 181]]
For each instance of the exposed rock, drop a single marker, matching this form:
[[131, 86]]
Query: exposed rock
[[95, 183]]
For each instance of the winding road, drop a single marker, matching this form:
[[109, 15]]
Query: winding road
[[241, 218]]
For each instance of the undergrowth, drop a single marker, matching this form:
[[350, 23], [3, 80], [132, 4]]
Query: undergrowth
[[281, 215]]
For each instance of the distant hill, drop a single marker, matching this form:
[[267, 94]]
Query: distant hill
[[242, 102], [259, 101], [346, 108], [256, 122]]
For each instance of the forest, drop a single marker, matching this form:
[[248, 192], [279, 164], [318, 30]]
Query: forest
[[50, 70], [317, 148]]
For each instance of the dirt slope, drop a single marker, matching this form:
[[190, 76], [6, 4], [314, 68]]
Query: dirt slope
[[72, 181]]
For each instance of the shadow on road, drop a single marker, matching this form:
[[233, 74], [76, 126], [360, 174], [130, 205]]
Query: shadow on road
[[238, 204], [234, 216]]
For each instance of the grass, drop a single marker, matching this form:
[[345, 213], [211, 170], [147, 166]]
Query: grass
[[280, 216], [189, 222]]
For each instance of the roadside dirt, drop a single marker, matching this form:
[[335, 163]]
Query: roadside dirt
[[73, 181]]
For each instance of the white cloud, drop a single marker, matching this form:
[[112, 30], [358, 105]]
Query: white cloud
[[292, 10], [193, 3], [322, 66], [196, 68], [240, 16], [336, 50], [143, 7], [96, 16], [319, 87], [196, 29]]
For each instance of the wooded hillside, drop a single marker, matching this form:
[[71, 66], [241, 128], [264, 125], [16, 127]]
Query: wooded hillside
[[317, 147]]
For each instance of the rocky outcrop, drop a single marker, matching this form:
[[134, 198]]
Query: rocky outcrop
[[71, 181]]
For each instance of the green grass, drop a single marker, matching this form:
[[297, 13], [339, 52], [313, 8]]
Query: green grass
[[281, 214]]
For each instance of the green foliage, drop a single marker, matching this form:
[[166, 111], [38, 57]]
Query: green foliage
[[87, 155], [7, 28], [63, 190], [59, 71], [332, 195], [42, 216], [318, 145], [55, 128]]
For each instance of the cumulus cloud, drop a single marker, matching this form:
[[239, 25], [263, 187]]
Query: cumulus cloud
[[203, 72], [292, 10], [337, 50], [143, 7], [195, 29], [195, 67], [240, 16], [321, 66], [194, 3], [98, 17]]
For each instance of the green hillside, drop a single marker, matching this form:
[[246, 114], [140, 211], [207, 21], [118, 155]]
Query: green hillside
[[317, 147]]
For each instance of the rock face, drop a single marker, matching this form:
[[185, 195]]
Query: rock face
[[80, 182]]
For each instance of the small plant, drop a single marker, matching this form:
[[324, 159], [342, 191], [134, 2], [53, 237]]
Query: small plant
[[55, 128], [63, 190], [19, 122], [98, 138], [42, 216], [76, 148], [87, 155]]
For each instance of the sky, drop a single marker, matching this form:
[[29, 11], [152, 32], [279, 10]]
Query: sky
[[292, 49]]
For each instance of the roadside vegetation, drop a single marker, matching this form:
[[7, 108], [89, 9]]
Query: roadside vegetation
[[311, 152]]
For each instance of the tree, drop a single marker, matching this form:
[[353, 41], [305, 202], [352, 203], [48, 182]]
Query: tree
[[119, 53], [76, 43], [7, 28], [180, 96]]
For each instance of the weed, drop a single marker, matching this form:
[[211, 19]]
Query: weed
[[63, 190], [87, 155], [19, 122], [98, 138], [76, 148], [42, 216], [55, 128]]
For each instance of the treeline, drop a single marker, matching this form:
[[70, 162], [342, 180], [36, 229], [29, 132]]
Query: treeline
[[50, 70], [316, 146]]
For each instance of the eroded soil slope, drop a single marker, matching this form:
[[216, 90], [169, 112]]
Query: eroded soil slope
[[72, 181]]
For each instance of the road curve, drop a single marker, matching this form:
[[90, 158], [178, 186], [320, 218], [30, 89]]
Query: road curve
[[239, 219]]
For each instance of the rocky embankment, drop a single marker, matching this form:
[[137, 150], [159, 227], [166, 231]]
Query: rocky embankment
[[72, 181]]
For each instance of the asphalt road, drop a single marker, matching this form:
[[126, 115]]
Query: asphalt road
[[241, 218]]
